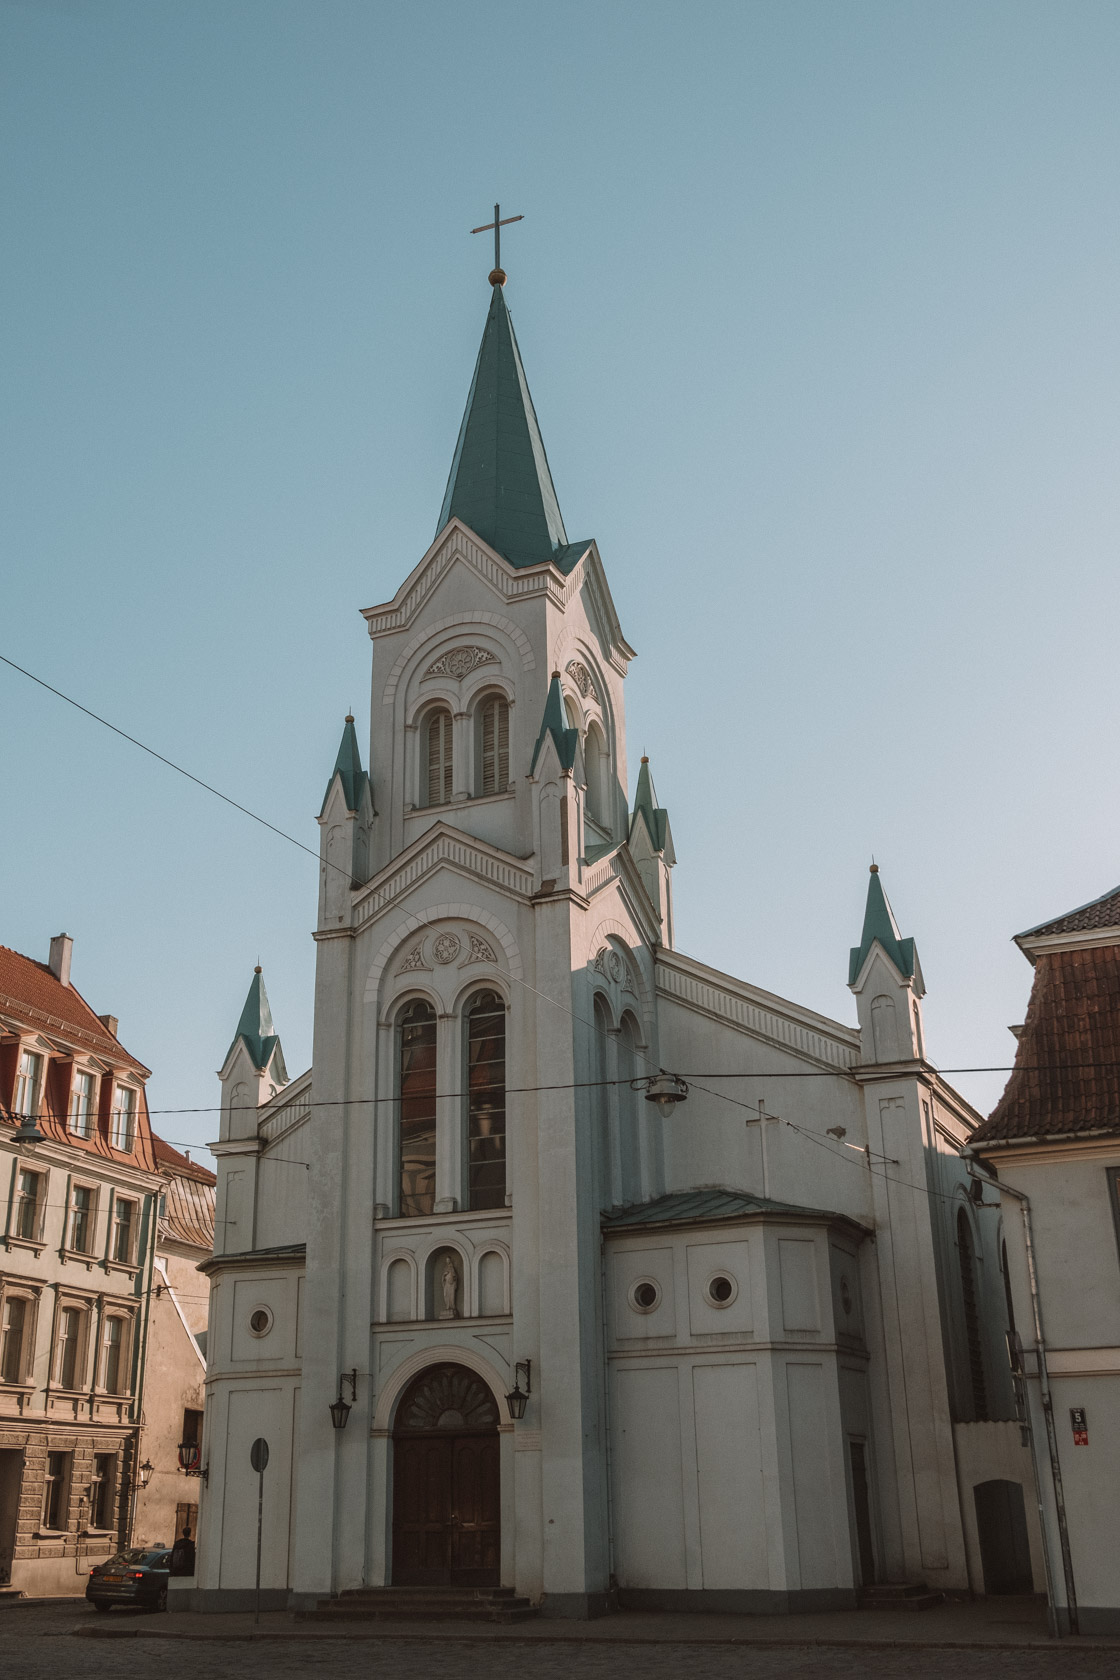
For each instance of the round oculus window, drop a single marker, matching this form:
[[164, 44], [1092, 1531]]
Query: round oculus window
[[721, 1290], [644, 1295], [260, 1321]]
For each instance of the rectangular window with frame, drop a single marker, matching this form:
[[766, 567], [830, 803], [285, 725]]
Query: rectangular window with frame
[[29, 1082], [122, 1122], [71, 1328], [83, 1208], [31, 1203], [124, 1231], [114, 1363], [55, 1490], [102, 1489], [80, 1116], [15, 1323], [192, 1426], [186, 1521]]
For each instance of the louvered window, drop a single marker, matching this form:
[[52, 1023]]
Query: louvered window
[[494, 746], [437, 757], [417, 1140], [486, 1100]]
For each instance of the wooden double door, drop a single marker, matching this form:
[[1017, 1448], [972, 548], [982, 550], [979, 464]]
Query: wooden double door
[[447, 1483]]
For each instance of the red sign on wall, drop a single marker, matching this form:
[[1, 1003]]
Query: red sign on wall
[[1080, 1425]]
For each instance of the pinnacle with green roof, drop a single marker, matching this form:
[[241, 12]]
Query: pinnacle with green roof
[[655, 817], [555, 723], [500, 485], [255, 1028], [348, 765], [879, 924]]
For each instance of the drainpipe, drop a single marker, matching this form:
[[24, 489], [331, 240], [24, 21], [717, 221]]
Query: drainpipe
[[1047, 1409], [142, 1354]]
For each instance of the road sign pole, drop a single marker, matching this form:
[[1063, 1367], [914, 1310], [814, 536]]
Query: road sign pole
[[258, 1458]]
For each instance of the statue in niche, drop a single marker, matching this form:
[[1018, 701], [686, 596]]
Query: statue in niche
[[449, 1283]]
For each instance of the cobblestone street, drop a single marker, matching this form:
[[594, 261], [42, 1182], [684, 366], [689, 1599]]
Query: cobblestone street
[[38, 1643]]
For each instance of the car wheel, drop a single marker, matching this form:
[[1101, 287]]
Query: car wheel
[[99, 1605], [161, 1599]]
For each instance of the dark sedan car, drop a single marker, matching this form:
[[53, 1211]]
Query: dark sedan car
[[138, 1576]]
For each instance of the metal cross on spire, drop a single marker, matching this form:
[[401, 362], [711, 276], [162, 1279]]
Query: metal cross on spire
[[497, 275]]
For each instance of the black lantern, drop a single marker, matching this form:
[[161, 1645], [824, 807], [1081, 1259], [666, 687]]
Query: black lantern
[[190, 1457], [27, 1133], [666, 1090], [340, 1409], [145, 1473], [517, 1398]]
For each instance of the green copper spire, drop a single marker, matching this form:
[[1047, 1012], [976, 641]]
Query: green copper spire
[[555, 723], [348, 765], [879, 923], [256, 1029], [655, 817], [500, 484]]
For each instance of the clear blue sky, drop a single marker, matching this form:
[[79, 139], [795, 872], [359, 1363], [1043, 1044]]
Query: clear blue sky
[[819, 307]]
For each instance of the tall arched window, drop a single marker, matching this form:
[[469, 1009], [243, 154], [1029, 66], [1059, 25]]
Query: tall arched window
[[486, 1101], [437, 757], [966, 1260], [595, 762], [628, 1101], [493, 745], [600, 1101], [417, 1140]]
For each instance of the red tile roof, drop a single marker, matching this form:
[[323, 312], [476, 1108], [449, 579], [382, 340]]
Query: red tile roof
[[29, 991], [169, 1160], [1066, 1079], [1103, 912]]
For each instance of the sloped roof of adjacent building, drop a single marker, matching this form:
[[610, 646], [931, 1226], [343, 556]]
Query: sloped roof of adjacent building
[[188, 1199], [706, 1206], [1066, 1079], [31, 992], [1103, 912]]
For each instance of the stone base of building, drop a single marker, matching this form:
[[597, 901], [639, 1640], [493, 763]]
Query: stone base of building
[[1101, 1621], [50, 1577], [184, 1595], [578, 1607], [735, 1601]]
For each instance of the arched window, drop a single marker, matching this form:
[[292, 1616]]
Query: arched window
[[493, 745], [436, 761], [601, 1101], [966, 1261], [595, 763], [628, 1100], [486, 1101], [417, 1144]]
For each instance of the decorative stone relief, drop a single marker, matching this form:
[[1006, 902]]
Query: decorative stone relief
[[480, 951], [447, 948], [460, 662], [582, 678], [414, 960]]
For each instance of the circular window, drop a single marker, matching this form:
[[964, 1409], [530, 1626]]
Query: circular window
[[644, 1295], [260, 1321], [721, 1290]]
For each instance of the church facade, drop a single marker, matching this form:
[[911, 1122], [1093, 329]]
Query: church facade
[[508, 1312]]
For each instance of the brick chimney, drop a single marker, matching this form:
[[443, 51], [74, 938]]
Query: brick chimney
[[62, 949]]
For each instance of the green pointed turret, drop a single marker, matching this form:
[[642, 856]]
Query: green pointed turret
[[655, 817], [348, 765], [555, 723], [256, 1030], [500, 484], [879, 924]]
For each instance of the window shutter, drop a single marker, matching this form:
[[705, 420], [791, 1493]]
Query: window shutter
[[439, 758], [489, 742]]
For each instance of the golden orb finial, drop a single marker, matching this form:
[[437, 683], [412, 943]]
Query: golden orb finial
[[497, 276]]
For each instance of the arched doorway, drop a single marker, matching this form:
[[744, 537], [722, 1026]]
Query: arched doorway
[[446, 1482]]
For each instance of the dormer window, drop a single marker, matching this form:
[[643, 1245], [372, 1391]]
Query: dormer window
[[29, 1082], [437, 756], [493, 745], [80, 1117], [122, 1121]]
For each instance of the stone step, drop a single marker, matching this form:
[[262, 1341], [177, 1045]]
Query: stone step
[[380, 1604], [900, 1595], [423, 1595]]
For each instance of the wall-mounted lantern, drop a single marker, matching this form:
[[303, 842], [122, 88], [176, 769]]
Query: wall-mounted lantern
[[340, 1409], [145, 1473], [190, 1457], [27, 1133], [516, 1399]]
